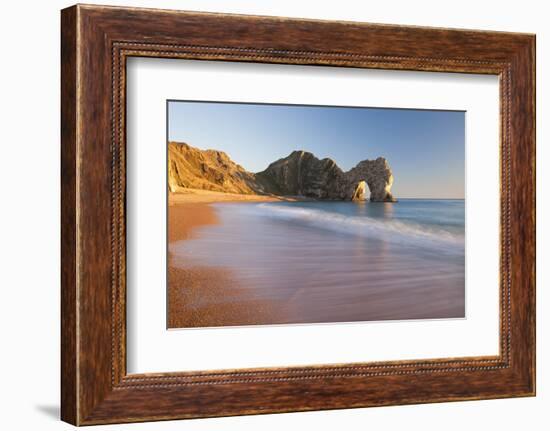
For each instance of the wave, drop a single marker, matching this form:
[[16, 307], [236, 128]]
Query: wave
[[397, 231]]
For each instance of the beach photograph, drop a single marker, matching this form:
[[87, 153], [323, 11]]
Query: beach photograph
[[304, 214]]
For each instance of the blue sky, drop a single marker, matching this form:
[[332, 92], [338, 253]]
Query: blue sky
[[425, 149]]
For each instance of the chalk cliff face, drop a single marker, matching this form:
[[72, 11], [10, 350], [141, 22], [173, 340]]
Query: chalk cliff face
[[299, 174]]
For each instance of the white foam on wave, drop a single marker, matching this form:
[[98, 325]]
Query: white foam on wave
[[398, 231]]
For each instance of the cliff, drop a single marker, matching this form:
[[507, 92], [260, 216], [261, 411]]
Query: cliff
[[189, 167], [299, 174]]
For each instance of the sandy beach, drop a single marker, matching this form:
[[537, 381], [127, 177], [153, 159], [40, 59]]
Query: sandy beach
[[187, 196], [205, 296]]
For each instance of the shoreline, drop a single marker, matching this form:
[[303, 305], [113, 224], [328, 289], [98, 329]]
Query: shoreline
[[196, 196], [184, 217], [204, 296], [206, 290], [189, 195]]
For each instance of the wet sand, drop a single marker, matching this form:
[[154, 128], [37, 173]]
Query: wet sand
[[183, 218], [201, 296]]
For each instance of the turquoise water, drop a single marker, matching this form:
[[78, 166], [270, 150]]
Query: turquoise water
[[434, 224], [338, 261]]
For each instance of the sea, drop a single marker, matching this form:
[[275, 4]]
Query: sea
[[325, 262]]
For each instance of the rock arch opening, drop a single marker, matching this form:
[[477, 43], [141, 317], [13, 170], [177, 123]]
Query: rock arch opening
[[360, 193]]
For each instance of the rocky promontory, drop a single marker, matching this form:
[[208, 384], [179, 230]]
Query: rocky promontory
[[298, 174], [303, 174]]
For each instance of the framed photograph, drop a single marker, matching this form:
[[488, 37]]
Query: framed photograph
[[264, 214]]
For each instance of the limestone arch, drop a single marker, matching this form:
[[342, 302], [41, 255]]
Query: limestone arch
[[378, 178]]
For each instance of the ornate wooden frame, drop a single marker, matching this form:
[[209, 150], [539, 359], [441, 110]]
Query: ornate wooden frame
[[95, 42]]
